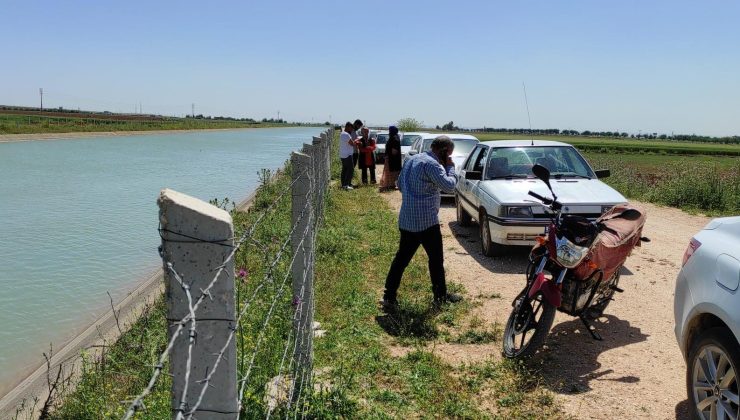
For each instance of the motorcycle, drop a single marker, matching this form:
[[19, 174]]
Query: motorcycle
[[573, 268]]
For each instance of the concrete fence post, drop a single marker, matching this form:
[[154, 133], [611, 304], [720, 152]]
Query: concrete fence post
[[301, 209], [196, 239]]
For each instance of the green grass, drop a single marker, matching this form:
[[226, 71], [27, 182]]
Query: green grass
[[705, 184], [621, 145], [34, 124]]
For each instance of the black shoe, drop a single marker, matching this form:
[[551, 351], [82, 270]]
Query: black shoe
[[448, 298], [389, 305]]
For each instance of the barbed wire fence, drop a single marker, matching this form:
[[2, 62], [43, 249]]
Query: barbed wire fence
[[239, 345]]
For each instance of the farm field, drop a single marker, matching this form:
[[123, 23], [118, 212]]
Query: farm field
[[620, 145], [703, 184], [56, 122]]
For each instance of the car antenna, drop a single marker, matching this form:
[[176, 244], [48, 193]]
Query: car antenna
[[526, 102]]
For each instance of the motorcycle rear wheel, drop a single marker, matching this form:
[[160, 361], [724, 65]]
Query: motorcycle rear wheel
[[529, 318]]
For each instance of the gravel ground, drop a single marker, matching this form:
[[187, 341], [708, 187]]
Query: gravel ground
[[637, 371]]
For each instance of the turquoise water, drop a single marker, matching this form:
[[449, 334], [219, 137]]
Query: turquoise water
[[78, 219]]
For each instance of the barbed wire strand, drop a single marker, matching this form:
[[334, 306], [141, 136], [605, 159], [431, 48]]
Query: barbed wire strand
[[245, 379]]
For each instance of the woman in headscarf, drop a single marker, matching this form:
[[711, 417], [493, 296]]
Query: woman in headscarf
[[392, 165]]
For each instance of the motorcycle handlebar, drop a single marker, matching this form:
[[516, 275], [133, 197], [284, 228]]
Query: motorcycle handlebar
[[539, 197]]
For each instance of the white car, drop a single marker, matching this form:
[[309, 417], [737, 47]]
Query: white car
[[407, 139], [464, 144], [380, 140], [707, 313], [495, 179]]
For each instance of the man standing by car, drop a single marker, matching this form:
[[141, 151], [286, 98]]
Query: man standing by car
[[355, 134], [420, 182], [346, 149]]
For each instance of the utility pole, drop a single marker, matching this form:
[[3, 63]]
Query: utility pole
[[41, 93], [278, 115]]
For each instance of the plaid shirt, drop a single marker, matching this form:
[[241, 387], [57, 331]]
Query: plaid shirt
[[420, 182]]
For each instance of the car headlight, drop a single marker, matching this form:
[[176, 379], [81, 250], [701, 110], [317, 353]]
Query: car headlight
[[568, 253], [517, 211]]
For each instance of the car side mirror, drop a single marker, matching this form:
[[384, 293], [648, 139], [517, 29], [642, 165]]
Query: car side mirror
[[603, 173], [412, 152], [473, 175]]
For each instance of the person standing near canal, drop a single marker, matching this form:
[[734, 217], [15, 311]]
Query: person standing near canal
[[355, 134], [420, 182], [392, 166], [346, 151], [367, 156]]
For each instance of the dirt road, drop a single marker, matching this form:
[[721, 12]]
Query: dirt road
[[637, 371]]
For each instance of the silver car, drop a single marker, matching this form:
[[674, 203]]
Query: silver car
[[707, 313]]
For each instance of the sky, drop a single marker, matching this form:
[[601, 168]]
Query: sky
[[634, 66]]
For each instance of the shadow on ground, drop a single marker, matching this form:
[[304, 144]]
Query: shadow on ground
[[409, 321], [682, 410], [570, 362]]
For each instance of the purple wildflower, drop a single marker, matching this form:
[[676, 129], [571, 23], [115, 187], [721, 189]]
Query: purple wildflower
[[243, 272]]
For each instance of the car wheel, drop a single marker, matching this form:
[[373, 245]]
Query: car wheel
[[463, 218], [711, 367], [489, 248]]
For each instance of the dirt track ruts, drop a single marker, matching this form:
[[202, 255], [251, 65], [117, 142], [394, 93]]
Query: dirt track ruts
[[637, 371]]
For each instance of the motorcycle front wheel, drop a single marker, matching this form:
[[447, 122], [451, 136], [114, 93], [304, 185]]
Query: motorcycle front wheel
[[528, 325]]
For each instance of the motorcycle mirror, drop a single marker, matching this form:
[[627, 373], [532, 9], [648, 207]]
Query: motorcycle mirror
[[542, 173]]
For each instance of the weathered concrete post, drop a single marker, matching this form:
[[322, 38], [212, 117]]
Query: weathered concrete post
[[196, 239], [319, 174], [302, 209]]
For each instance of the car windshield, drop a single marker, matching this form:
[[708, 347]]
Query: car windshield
[[382, 139], [517, 162], [409, 139]]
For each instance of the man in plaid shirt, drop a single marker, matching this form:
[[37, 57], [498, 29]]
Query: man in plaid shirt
[[420, 182]]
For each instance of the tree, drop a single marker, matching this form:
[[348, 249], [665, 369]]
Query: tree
[[408, 124], [449, 126]]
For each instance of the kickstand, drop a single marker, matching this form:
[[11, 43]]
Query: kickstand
[[594, 334]]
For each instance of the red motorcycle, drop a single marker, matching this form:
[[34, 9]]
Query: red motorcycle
[[574, 268]]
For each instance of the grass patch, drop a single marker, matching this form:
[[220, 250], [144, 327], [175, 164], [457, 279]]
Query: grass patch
[[704, 184], [32, 124]]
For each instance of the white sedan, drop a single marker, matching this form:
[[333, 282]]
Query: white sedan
[[707, 314], [408, 139], [496, 176]]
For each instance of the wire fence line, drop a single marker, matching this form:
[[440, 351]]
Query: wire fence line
[[224, 327]]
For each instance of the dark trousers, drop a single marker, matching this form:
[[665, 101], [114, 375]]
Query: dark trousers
[[431, 240], [348, 170], [356, 159], [372, 174]]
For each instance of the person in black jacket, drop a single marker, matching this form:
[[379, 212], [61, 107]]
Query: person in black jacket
[[392, 167]]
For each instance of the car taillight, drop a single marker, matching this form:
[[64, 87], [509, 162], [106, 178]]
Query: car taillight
[[693, 246]]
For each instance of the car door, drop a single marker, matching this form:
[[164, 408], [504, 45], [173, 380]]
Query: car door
[[467, 188]]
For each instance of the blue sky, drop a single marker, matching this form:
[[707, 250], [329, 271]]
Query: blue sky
[[650, 66]]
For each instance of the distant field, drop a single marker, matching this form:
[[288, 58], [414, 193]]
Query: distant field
[[18, 123], [619, 145], [707, 184]]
